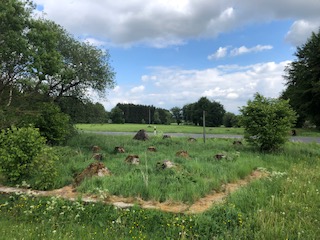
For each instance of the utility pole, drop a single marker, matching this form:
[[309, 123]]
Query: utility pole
[[204, 126]]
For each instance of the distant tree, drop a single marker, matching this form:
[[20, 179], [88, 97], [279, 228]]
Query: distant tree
[[188, 113], [116, 115], [230, 120], [303, 80], [214, 112], [177, 114], [267, 122], [156, 118]]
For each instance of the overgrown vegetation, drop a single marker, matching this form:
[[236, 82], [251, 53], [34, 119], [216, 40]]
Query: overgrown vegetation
[[25, 157], [283, 205]]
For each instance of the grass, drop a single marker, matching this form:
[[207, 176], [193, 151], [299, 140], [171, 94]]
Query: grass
[[283, 206], [191, 179], [174, 128]]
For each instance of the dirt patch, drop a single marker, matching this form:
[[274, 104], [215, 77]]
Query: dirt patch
[[94, 169], [203, 204]]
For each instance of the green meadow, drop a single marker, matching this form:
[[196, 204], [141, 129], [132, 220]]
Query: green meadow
[[174, 128], [284, 204]]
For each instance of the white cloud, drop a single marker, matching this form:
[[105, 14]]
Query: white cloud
[[223, 51], [220, 53], [300, 30], [161, 23], [138, 89], [94, 42], [243, 49], [230, 85]]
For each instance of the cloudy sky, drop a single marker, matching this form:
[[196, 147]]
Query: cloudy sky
[[170, 53]]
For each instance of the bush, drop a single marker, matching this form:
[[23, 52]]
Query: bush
[[267, 122], [53, 124], [24, 156]]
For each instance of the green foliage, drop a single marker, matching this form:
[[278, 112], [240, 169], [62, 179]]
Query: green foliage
[[230, 120], [267, 122], [134, 113], [14, 52], [303, 81], [40, 61], [54, 125], [156, 117], [177, 114], [214, 112], [116, 115], [24, 156], [43, 170]]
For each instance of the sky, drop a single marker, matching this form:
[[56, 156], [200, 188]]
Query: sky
[[169, 53]]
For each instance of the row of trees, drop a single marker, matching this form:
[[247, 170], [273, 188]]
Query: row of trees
[[131, 113], [215, 114]]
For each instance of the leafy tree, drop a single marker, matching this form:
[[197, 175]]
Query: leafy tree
[[230, 120], [214, 112], [53, 124], [14, 51], [177, 114], [41, 62], [116, 115], [267, 122], [188, 113], [65, 66], [303, 80], [156, 117]]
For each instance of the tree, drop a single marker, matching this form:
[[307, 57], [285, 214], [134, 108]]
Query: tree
[[65, 66], [116, 115], [303, 80], [214, 112], [230, 120], [267, 122], [177, 114], [41, 62], [14, 51], [188, 113], [156, 117]]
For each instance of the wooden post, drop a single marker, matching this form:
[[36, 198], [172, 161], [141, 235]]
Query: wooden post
[[204, 126]]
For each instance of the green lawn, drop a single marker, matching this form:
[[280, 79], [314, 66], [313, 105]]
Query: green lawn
[[174, 128]]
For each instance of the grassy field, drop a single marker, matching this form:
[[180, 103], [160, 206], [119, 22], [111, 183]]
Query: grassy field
[[284, 205], [174, 128]]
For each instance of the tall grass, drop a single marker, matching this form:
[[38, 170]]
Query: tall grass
[[284, 205], [192, 178]]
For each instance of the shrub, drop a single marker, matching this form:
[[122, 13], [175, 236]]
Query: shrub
[[53, 124], [24, 156], [267, 122]]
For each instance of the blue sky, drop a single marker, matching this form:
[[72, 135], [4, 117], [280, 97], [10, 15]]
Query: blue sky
[[170, 53]]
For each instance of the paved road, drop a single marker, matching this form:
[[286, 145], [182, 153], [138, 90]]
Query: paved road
[[195, 135]]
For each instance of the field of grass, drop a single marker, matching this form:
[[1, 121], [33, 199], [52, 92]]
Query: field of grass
[[284, 205], [174, 128]]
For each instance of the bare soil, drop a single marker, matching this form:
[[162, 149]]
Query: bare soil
[[203, 204]]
